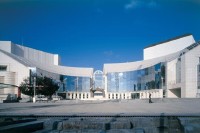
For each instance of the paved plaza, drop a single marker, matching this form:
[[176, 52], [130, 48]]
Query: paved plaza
[[116, 107]]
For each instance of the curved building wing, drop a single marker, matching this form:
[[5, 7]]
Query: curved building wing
[[170, 69]]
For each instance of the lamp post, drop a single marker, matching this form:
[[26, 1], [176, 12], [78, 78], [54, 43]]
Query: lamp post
[[65, 87], [34, 84], [162, 82], [76, 83], [65, 84], [164, 91]]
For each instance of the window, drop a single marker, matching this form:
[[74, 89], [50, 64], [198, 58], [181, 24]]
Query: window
[[3, 68], [76, 95], [98, 94], [112, 96], [79, 96], [109, 96], [72, 96], [146, 72], [83, 96], [116, 96], [76, 84], [87, 95]]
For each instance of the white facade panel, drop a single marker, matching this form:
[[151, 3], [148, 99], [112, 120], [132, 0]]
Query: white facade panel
[[171, 73], [189, 76], [130, 66], [34, 55], [56, 59], [167, 47], [14, 66], [6, 46], [29, 53]]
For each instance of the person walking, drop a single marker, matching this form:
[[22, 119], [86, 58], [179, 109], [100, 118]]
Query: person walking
[[150, 98]]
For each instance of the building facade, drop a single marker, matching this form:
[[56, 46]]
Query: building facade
[[170, 69]]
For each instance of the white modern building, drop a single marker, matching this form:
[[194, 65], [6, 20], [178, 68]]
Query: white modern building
[[170, 69]]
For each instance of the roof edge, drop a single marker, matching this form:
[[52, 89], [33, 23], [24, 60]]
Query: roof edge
[[174, 38]]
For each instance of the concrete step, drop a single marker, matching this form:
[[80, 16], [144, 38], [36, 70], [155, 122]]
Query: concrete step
[[22, 127], [190, 124], [11, 121], [112, 124], [191, 128]]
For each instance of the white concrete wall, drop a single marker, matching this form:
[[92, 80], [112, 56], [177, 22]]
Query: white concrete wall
[[30, 53], [189, 73], [167, 47], [6, 46], [14, 75], [20, 70], [56, 59], [124, 95], [8, 77], [171, 73], [137, 65], [35, 55], [155, 93], [173, 79]]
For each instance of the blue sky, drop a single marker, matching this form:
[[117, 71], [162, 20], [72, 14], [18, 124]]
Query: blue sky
[[89, 33]]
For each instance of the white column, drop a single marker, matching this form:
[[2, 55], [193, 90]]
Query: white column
[[34, 83], [105, 85]]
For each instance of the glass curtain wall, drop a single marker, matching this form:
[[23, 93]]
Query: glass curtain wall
[[76, 84], [145, 79]]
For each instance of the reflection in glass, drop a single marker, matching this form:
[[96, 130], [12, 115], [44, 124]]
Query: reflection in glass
[[144, 79], [76, 84]]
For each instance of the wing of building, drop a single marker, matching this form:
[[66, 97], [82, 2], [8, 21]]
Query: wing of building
[[170, 69]]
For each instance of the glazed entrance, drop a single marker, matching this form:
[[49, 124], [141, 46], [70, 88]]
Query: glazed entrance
[[98, 90]]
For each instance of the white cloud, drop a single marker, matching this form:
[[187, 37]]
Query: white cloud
[[132, 4], [141, 3], [108, 53]]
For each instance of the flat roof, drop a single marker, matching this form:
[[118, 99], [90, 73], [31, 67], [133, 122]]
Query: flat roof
[[175, 38]]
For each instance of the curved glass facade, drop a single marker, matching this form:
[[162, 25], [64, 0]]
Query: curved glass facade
[[98, 80], [145, 79], [76, 84]]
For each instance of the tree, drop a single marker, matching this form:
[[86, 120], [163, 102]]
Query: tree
[[26, 88], [44, 86], [48, 86]]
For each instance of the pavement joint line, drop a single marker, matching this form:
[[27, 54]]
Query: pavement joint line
[[78, 116]]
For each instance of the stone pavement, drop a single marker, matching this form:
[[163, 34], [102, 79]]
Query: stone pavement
[[138, 116], [167, 107]]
